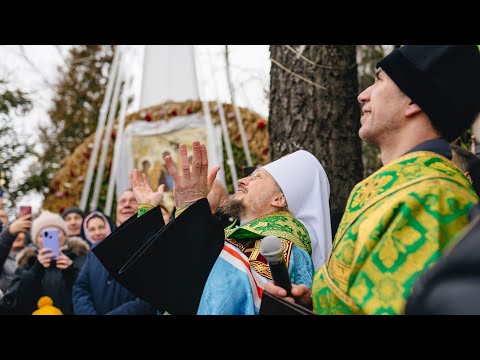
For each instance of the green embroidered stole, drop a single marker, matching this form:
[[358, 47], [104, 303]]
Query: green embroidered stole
[[278, 223]]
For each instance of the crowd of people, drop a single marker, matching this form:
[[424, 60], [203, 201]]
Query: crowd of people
[[397, 250], [74, 281]]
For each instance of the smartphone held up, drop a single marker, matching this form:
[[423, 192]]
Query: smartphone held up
[[24, 210], [51, 241]]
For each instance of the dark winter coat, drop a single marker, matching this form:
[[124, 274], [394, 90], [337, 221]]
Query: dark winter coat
[[96, 292], [7, 259], [32, 281], [165, 265]]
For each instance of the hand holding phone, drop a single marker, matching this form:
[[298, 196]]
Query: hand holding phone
[[24, 210], [50, 240]]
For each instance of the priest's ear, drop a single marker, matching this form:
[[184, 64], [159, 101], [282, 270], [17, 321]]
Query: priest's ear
[[279, 200]]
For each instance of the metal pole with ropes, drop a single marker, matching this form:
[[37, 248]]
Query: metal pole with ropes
[[106, 138], [117, 147], [213, 144], [238, 116], [226, 136], [99, 131]]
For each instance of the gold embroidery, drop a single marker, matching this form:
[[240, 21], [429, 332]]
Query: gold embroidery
[[350, 217], [388, 254], [251, 249], [339, 293], [360, 291], [369, 190], [242, 245], [394, 237], [255, 250], [339, 271], [277, 223], [261, 268]]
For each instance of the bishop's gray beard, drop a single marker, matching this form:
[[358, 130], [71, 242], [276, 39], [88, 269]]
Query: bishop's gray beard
[[234, 208]]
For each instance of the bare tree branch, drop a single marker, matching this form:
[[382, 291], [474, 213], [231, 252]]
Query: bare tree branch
[[59, 50], [24, 55]]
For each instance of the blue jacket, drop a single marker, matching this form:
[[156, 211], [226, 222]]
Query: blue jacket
[[96, 292]]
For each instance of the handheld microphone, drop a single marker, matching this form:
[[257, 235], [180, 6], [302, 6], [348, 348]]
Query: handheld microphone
[[271, 249]]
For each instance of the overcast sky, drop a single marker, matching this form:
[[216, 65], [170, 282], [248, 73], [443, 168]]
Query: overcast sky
[[33, 69]]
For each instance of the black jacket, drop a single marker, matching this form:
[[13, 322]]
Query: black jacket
[[452, 285], [32, 281], [6, 241], [167, 266]]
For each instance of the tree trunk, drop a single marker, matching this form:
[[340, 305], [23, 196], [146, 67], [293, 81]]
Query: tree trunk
[[323, 122]]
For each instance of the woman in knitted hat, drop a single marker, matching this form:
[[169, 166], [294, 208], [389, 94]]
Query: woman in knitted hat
[[38, 274]]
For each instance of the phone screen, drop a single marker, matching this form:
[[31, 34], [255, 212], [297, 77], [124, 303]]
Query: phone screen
[[50, 240], [24, 210]]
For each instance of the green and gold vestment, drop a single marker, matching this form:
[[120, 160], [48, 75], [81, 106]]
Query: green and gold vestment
[[397, 223]]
